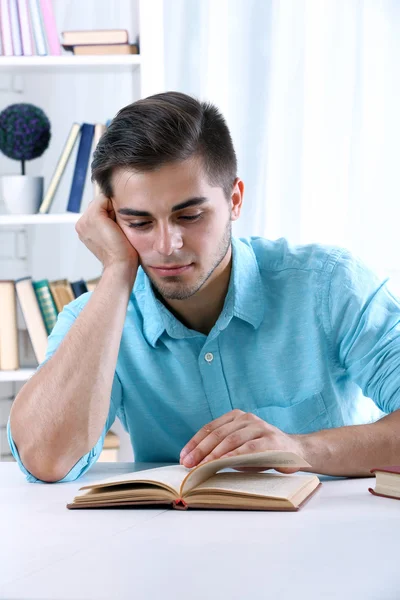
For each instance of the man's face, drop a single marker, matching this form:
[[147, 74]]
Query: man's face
[[179, 225]]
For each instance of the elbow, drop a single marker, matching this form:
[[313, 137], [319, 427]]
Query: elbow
[[48, 471]]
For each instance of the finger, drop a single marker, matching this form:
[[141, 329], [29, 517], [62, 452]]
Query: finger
[[246, 449], [254, 444], [231, 436], [286, 470], [207, 429]]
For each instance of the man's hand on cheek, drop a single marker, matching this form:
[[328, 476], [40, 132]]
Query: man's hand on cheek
[[237, 433]]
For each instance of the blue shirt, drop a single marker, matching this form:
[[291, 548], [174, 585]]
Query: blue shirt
[[306, 338]]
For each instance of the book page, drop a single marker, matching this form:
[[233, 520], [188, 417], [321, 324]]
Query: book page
[[170, 477], [265, 460], [257, 484]]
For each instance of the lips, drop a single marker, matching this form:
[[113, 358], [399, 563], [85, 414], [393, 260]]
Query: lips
[[171, 270]]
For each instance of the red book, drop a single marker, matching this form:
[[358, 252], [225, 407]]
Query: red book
[[387, 482]]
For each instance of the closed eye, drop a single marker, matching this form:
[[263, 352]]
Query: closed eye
[[190, 218], [143, 224]]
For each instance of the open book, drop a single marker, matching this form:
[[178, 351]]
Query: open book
[[205, 487]]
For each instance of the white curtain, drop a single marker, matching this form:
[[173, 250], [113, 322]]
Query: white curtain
[[311, 92]]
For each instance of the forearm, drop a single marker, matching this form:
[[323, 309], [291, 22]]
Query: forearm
[[352, 451], [59, 414]]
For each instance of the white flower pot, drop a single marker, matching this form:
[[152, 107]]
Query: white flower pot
[[21, 194]]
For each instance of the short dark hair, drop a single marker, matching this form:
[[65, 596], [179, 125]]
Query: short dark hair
[[166, 128]]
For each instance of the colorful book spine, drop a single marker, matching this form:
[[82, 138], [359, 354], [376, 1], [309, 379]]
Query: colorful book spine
[[60, 168], [9, 355], [15, 29], [5, 23], [32, 316], [81, 166], [79, 287], [99, 129], [50, 27], [26, 33], [37, 27], [46, 303]]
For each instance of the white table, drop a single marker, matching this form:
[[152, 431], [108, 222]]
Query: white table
[[343, 544]]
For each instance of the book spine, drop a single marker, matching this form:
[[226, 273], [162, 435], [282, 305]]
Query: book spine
[[79, 288], [50, 27], [99, 36], [38, 33], [6, 36], [62, 293], [15, 28], [9, 355], [81, 166], [26, 34], [180, 504], [32, 316], [60, 168], [46, 304], [99, 129]]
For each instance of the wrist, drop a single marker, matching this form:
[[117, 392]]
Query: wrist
[[120, 274], [307, 448]]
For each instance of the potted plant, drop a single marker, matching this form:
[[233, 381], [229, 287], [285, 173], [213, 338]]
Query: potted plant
[[24, 135]]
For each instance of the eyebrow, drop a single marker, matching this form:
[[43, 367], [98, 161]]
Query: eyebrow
[[131, 212]]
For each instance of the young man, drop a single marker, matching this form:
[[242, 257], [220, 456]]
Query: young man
[[201, 344]]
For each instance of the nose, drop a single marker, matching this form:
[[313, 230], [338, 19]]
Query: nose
[[167, 239]]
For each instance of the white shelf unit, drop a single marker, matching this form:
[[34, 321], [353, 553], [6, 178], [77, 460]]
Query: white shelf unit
[[17, 376], [27, 62], [150, 66], [48, 219]]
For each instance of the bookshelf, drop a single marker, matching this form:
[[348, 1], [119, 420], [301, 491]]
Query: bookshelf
[[48, 219], [27, 62], [73, 88], [17, 376]]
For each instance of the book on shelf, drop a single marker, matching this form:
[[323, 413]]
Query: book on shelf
[[15, 28], [95, 36], [62, 293], [28, 27], [91, 284], [60, 168], [205, 486], [103, 49], [81, 166], [32, 315], [110, 448], [9, 357], [89, 135], [40, 303], [79, 287], [50, 27], [5, 29], [37, 27], [25, 26], [99, 129], [47, 305], [387, 482]]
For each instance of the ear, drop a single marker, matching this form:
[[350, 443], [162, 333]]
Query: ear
[[236, 198]]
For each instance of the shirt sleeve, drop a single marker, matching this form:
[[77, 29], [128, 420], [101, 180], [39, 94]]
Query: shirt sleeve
[[364, 323], [65, 320]]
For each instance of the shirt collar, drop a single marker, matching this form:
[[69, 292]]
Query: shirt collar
[[243, 300]]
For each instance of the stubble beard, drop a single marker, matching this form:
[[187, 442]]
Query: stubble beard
[[176, 290]]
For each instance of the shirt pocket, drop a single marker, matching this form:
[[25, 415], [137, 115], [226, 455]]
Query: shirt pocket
[[305, 416]]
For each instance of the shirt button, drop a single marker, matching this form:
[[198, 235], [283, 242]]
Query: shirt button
[[209, 357]]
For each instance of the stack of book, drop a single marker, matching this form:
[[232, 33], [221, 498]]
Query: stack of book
[[28, 27], [88, 135], [100, 41], [40, 303]]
